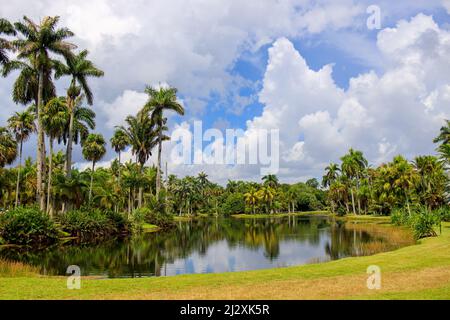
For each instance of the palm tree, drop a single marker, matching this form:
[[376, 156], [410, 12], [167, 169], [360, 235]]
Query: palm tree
[[22, 125], [252, 198], [160, 100], [54, 121], [79, 68], [142, 137], [267, 194], [93, 150], [39, 41], [444, 134], [119, 142], [8, 29], [8, 147], [270, 180], [331, 174]]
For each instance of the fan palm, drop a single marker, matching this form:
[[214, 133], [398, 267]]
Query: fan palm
[[22, 125], [39, 40], [161, 100]]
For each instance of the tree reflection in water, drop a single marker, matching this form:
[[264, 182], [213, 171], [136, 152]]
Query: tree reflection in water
[[214, 245]]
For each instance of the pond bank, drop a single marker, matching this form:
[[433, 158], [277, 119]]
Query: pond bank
[[420, 271]]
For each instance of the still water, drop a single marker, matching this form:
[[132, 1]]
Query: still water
[[212, 245]]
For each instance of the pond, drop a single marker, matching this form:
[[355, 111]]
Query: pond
[[212, 245]]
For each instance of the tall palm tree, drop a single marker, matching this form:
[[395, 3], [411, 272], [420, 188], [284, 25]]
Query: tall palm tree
[[54, 120], [8, 29], [161, 100], [119, 141], [142, 137], [39, 40], [444, 134], [267, 194], [79, 69], [93, 150], [22, 125], [8, 147], [252, 198], [270, 180], [331, 174]]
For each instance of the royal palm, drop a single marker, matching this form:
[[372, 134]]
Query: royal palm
[[22, 125], [161, 100], [39, 40]]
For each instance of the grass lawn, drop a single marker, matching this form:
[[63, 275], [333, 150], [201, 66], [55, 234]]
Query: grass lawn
[[419, 271]]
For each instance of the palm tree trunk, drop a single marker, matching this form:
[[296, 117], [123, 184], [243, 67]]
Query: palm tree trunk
[[92, 180], [353, 200], [49, 182], [141, 189], [158, 166], [18, 173], [40, 158], [70, 140]]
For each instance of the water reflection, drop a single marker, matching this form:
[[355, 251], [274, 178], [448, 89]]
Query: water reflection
[[214, 245]]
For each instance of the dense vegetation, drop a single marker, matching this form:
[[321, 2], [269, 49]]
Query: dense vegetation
[[108, 201]]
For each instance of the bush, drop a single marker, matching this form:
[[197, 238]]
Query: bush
[[27, 226], [147, 215], [420, 220], [423, 223], [93, 223], [234, 204]]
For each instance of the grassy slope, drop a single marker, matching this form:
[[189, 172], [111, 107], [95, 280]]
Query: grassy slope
[[420, 271]]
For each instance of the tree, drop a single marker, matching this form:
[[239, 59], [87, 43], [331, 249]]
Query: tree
[[54, 121], [444, 134], [267, 194], [431, 187], [39, 41], [353, 166], [8, 29], [252, 198], [119, 141], [270, 180], [142, 137], [8, 147], [331, 174], [161, 100], [93, 150], [22, 125], [79, 69]]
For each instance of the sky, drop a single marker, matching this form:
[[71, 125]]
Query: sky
[[311, 69]]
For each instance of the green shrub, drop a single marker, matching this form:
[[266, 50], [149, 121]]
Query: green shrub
[[420, 220], [27, 226], [423, 223], [234, 204], [147, 215], [93, 224]]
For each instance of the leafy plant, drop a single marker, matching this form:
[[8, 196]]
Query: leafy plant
[[27, 226]]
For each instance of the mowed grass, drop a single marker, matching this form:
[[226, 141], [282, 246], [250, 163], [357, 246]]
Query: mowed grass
[[420, 271]]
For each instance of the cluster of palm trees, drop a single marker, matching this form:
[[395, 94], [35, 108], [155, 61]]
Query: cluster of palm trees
[[356, 187], [65, 119]]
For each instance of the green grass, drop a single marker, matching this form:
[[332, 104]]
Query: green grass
[[420, 271]]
